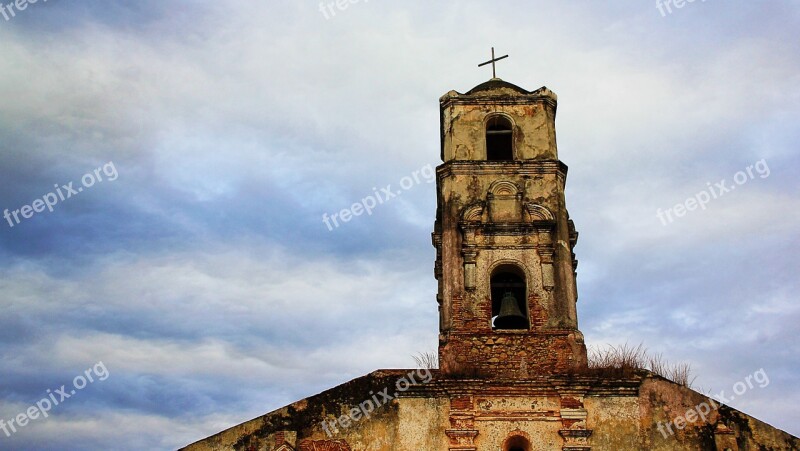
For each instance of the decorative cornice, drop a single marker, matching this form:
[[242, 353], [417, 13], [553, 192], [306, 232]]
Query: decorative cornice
[[518, 167], [449, 100], [575, 433]]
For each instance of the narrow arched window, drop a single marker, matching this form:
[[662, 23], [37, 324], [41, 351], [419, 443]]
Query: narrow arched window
[[509, 294], [499, 142]]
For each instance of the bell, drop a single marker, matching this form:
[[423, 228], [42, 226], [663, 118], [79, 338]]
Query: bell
[[510, 317]]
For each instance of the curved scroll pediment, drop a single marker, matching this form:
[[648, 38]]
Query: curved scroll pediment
[[537, 212], [473, 213], [504, 188]]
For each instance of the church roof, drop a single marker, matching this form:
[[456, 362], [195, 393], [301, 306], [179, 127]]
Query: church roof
[[496, 83], [496, 87]]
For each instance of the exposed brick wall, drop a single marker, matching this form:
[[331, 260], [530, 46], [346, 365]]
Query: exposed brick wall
[[478, 318], [472, 348], [512, 355], [324, 445], [461, 403]]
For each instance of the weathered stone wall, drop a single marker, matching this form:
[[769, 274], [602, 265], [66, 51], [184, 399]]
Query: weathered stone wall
[[422, 423], [662, 402], [550, 413], [513, 354], [464, 119], [301, 424]]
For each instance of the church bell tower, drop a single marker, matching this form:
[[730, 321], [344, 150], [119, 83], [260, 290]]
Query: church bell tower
[[504, 241]]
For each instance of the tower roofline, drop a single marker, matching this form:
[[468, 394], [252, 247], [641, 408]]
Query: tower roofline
[[495, 83], [497, 87]]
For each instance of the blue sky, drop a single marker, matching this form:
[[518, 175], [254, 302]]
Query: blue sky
[[204, 278]]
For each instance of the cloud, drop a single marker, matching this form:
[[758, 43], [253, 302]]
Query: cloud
[[257, 329]]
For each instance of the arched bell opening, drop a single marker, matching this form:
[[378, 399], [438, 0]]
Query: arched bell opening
[[499, 139], [509, 294]]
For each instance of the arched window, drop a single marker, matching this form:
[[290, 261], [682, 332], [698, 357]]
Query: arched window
[[517, 443], [509, 295], [499, 142]]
